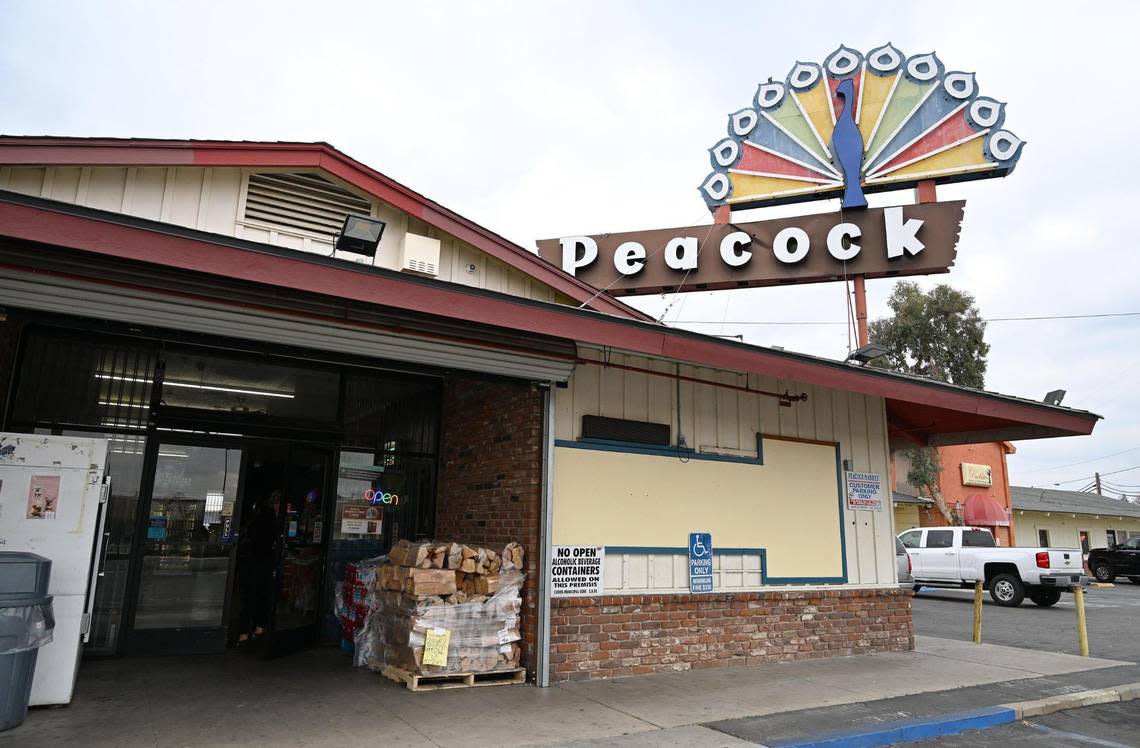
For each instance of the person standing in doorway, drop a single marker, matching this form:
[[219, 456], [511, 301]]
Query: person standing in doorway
[[256, 559]]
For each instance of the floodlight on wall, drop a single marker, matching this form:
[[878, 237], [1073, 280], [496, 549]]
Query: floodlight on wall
[[360, 235], [1054, 397], [865, 354]]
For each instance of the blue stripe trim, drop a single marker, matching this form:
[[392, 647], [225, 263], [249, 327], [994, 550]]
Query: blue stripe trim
[[661, 550], [761, 552], [890, 733], [682, 453]]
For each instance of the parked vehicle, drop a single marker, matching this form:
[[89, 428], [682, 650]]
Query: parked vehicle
[[959, 556], [902, 564], [1121, 560]]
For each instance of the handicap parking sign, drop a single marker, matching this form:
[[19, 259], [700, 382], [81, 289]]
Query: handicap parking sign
[[700, 562]]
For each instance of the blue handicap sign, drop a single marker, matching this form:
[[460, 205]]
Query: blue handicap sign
[[700, 562]]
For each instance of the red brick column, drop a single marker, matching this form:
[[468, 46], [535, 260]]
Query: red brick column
[[603, 637], [490, 476]]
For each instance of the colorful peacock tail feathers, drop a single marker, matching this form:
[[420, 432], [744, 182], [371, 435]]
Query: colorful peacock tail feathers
[[913, 119]]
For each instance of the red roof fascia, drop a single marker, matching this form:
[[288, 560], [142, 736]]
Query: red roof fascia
[[202, 256], [41, 151]]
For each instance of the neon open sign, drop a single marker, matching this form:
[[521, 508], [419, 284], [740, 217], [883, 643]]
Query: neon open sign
[[381, 497]]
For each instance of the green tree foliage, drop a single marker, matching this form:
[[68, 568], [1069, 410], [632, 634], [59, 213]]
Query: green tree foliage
[[937, 334], [925, 466]]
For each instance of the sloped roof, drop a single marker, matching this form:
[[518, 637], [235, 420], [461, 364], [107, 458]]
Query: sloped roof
[[940, 411], [1071, 502], [899, 497], [20, 150]]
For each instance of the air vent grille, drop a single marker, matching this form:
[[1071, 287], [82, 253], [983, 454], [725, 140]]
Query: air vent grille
[[419, 266], [619, 429], [302, 202]]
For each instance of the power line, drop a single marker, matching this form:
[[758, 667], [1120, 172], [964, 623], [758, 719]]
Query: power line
[[1093, 477], [1081, 462], [986, 319]]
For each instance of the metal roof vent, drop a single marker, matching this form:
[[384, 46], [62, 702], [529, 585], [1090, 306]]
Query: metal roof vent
[[302, 202]]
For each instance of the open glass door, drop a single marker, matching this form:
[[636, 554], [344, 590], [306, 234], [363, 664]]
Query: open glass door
[[301, 515], [186, 556]]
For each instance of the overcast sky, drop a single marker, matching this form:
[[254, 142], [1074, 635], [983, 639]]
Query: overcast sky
[[545, 119]]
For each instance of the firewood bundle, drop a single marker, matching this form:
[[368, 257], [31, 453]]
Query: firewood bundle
[[429, 588]]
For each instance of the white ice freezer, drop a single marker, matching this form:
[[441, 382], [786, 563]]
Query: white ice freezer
[[52, 502]]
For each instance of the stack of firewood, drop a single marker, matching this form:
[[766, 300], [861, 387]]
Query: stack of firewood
[[473, 593]]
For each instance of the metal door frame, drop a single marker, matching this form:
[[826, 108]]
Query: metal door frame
[[134, 641]]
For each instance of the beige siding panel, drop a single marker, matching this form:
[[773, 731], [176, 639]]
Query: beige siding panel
[[661, 397], [147, 192], [186, 195], [26, 180], [105, 188], [727, 413], [611, 400], [64, 183], [841, 418], [1064, 528], [220, 216], [636, 393], [860, 457], [496, 276], [254, 234], [880, 463]]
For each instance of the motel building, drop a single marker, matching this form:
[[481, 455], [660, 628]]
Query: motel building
[[187, 301]]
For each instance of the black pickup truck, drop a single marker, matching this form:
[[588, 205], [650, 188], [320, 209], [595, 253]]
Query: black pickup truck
[[1122, 560]]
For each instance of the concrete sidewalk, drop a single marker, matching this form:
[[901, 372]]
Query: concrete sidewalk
[[315, 698]]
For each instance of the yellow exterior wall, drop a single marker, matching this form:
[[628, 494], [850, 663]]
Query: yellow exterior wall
[[718, 419], [1064, 527], [786, 506], [906, 518], [212, 199]]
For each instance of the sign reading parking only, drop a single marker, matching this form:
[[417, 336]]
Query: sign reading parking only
[[700, 562]]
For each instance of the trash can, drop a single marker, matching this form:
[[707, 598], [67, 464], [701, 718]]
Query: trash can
[[26, 624]]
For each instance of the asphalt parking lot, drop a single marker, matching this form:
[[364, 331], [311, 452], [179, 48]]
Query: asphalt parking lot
[[1107, 725], [1112, 615]]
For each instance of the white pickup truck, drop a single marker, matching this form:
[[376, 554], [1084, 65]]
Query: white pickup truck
[[959, 556]]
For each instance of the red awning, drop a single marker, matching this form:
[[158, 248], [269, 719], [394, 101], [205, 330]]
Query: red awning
[[984, 511]]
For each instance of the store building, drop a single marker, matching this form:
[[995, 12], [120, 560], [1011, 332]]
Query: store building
[[974, 483], [1072, 519], [185, 300]]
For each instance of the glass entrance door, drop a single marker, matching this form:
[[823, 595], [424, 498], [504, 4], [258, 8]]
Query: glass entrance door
[[187, 550], [301, 509]]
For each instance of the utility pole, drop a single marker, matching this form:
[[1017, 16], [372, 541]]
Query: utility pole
[[1097, 475]]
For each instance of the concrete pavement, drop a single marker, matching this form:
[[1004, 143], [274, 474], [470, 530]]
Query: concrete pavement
[[315, 698]]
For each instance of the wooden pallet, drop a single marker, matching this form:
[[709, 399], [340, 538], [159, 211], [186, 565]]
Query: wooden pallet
[[440, 681]]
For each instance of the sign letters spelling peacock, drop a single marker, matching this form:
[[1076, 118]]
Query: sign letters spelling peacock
[[856, 124]]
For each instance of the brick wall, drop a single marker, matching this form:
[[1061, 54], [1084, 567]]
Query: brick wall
[[490, 476], [603, 637]]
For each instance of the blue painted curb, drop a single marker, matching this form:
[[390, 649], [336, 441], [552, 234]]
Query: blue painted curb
[[889, 733]]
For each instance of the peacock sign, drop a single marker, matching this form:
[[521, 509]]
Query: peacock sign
[[859, 124], [853, 125]]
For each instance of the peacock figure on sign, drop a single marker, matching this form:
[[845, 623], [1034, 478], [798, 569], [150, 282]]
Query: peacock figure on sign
[[859, 124]]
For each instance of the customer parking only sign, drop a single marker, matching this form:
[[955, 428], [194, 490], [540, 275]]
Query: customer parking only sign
[[700, 562], [864, 491]]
